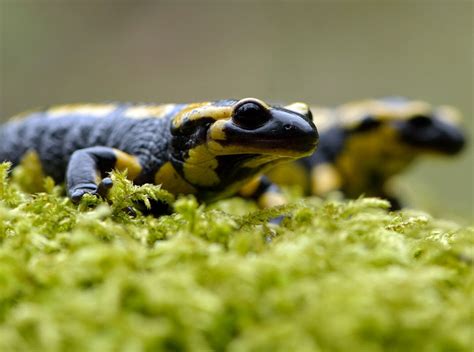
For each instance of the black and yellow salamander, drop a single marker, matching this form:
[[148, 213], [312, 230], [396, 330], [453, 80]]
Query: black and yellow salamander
[[364, 144], [209, 149]]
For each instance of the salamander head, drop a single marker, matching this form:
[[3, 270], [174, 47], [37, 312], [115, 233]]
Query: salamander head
[[224, 142], [437, 129], [414, 124]]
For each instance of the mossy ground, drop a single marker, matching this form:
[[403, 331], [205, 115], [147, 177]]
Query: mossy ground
[[335, 276]]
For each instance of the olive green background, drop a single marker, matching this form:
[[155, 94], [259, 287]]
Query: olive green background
[[322, 52]]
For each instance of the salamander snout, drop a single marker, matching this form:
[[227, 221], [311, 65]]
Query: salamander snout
[[294, 131], [432, 133]]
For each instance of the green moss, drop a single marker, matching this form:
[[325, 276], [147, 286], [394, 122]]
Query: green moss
[[335, 276]]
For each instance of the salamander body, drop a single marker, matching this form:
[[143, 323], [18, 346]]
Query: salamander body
[[209, 149]]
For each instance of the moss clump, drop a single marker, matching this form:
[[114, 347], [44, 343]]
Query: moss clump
[[335, 276]]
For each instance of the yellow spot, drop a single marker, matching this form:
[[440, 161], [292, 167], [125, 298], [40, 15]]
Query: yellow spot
[[29, 175], [250, 188], [172, 181], [298, 107], [449, 114], [413, 108], [214, 112], [189, 110], [271, 199], [208, 110], [127, 162], [325, 179], [216, 131], [199, 168], [290, 174], [149, 111], [95, 110]]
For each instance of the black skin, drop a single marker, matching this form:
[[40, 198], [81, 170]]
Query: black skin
[[83, 144], [79, 148]]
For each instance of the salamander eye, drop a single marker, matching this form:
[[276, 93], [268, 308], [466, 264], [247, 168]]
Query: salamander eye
[[420, 121], [250, 115], [368, 123]]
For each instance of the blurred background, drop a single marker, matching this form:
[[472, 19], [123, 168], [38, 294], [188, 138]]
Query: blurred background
[[321, 52]]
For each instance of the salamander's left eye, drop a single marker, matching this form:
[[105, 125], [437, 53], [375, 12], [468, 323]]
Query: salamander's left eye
[[420, 121], [250, 115]]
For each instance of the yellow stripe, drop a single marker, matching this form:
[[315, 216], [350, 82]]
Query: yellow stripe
[[352, 114], [96, 110], [149, 111], [214, 112], [182, 115], [208, 110]]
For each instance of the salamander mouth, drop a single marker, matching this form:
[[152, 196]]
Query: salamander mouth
[[285, 146], [281, 149], [307, 144]]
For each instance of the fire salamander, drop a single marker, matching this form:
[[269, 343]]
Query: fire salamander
[[209, 149], [364, 144]]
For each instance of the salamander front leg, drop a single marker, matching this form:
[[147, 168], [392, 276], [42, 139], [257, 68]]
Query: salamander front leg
[[324, 180], [87, 167], [264, 192]]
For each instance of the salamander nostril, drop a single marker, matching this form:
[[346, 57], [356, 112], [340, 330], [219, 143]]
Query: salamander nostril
[[288, 127]]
